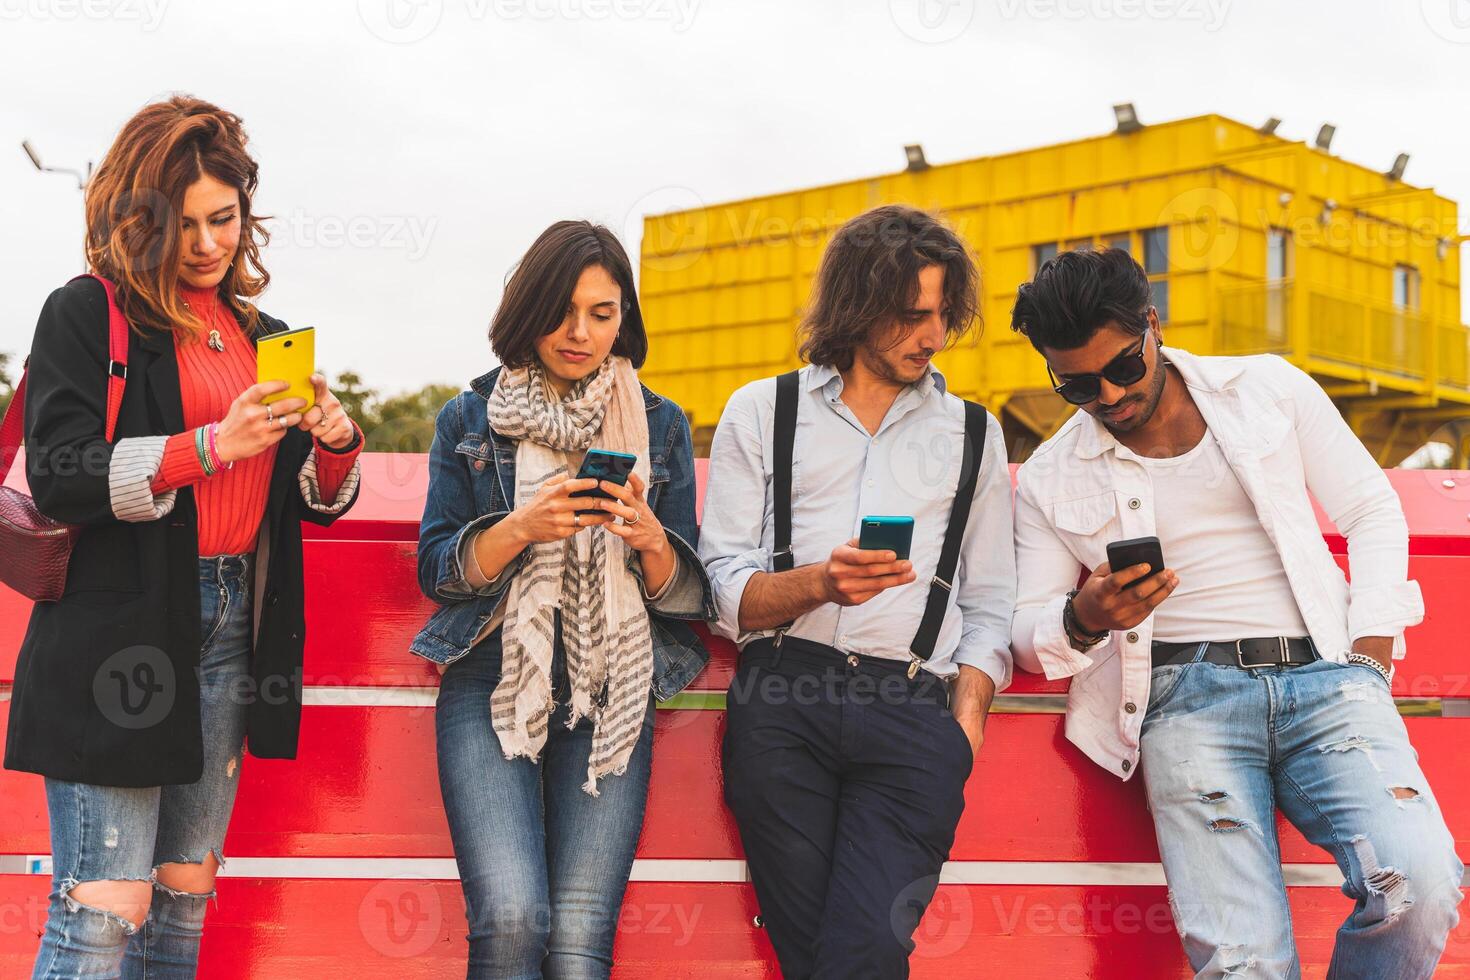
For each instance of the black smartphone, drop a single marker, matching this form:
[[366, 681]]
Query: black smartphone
[[895, 534], [1136, 551], [604, 464]]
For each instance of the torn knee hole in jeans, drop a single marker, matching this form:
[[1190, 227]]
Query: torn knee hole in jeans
[[173, 892], [1401, 793], [1225, 825], [1387, 888], [176, 893], [64, 889], [1235, 961]]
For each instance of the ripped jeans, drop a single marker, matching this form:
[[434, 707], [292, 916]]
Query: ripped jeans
[[1224, 747], [113, 833]]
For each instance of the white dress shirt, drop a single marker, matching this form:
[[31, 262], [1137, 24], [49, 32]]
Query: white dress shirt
[[1283, 439], [840, 474]]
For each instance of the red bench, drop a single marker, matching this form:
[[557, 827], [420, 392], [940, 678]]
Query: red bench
[[340, 863]]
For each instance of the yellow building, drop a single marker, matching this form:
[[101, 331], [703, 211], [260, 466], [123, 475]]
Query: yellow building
[[1254, 243]]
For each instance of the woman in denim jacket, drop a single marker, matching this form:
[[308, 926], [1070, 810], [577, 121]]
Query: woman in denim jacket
[[560, 619]]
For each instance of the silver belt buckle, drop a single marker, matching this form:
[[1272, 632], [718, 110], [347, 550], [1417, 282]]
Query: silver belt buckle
[[1283, 654]]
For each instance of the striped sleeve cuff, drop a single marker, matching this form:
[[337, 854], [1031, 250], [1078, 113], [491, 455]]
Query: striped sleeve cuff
[[311, 488], [333, 465], [135, 462]]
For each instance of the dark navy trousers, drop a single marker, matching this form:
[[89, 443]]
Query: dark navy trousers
[[846, 779]]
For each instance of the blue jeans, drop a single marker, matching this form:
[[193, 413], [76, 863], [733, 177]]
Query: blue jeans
[[543, 864], [113, 833], [1223, 748]]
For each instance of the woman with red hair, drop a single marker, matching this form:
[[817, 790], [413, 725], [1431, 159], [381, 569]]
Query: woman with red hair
[[177, 640]]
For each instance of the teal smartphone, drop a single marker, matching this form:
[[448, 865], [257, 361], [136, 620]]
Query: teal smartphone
[[895, 534], [604, 464]]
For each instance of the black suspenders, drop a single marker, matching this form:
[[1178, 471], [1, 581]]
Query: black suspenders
[[786, 393], [922, 647]]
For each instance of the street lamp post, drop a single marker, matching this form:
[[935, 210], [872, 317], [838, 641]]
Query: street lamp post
[[81, 178]]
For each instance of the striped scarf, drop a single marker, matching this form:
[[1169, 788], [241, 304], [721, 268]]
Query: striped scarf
[[609, 647]]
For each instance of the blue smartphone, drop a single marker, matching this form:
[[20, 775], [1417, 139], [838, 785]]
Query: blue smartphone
[[895, 534], [604, 464]]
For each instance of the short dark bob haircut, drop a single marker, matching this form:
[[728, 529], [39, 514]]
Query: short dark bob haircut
[[540, 290]]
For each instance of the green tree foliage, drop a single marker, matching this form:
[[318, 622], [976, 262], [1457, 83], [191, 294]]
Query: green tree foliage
[[7, 386], [401, 423]]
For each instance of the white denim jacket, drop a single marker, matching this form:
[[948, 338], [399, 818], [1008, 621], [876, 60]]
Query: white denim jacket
[[1283, 438]]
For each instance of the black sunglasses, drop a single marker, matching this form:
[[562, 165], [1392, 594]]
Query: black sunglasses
[[1126, 369]]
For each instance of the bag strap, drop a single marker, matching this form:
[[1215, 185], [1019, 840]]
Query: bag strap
[[942, 583], [117, 353], [117, 374]]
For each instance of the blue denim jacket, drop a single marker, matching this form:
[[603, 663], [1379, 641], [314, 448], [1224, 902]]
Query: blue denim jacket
[[472, 479]]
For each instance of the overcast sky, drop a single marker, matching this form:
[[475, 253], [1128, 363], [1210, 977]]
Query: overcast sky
[[412, 149]]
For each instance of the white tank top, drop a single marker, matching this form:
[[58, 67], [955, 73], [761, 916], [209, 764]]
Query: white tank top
[[1231, 581]]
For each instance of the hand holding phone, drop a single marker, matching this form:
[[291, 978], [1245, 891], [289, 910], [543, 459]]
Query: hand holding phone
[[895, 534], [1121, 599], [289, 357], [604, 464], [548, 516], [1137, 551], [853, 574]]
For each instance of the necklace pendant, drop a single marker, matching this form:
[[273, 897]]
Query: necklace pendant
[[215, 343]]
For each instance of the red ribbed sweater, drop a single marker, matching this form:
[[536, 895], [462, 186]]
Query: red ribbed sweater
[[232, 502]]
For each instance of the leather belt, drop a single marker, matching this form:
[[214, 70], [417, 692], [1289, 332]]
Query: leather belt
[[1265, 651]]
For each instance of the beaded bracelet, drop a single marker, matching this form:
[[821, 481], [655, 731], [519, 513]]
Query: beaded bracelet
[[202, 448], [214, 448], [1079, 638]]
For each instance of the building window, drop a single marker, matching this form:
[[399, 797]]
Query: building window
[[1278, 269], [1278, 254], [1156, 251], [1041, 253], [1120, 241], [1156, 265], [1079, 245], [1406, 287], [1161, 299]]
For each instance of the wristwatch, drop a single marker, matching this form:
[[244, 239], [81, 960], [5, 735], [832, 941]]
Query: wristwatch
[[1080, 638]]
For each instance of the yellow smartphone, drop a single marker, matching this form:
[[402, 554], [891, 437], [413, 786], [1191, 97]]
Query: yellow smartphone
[[289, 356]]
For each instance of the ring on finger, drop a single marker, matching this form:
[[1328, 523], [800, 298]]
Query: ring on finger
[[577, 520], [633, 521], [270, 414], [284, 424]]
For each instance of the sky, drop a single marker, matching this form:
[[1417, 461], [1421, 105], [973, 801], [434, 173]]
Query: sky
[[411, 150]]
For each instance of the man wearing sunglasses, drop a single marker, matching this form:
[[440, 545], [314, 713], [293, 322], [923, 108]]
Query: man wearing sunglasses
[[1247, 675]]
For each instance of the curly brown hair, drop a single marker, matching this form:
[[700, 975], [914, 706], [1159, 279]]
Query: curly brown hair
[[134, 200], [869, 275]]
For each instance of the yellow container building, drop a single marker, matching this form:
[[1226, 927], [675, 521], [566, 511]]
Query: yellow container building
[[1254, 243]]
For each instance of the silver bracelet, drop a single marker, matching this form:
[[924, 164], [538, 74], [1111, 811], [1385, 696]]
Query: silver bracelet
[[1363, 660]]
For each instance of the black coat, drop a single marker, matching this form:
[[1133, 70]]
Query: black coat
[[107, 687]]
